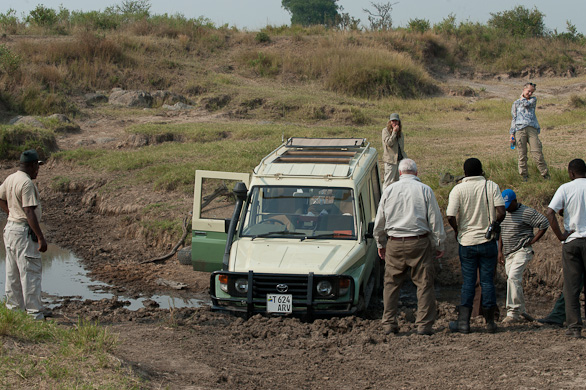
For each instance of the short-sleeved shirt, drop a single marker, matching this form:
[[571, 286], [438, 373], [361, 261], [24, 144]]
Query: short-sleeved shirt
[[571, 197], [473, 204], [19, 191], [517, 228]]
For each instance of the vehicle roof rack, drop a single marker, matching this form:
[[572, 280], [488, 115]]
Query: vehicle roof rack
[[336, 143]]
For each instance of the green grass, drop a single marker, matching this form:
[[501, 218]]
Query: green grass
[[41, 354]]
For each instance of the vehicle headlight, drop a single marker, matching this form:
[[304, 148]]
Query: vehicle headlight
[[241, 285], [325, 288], [343, 286], [223, 279]]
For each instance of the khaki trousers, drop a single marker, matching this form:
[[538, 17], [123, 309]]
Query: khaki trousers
[[23, 270], [528, 135], [415, 255], [391, 174], [515, 264]]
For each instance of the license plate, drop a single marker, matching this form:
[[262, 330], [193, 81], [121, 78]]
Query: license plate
[[280, 303]]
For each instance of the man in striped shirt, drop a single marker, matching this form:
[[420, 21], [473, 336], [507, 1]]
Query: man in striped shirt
[[515, 249]]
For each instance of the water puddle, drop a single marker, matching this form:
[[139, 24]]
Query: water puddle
[[64, 277]]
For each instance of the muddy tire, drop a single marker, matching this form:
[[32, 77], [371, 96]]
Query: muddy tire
[[184, 255]]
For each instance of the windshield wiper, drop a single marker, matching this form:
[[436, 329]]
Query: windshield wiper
[[330, 235], [279, 233]]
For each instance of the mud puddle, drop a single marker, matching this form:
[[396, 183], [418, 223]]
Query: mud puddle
[[65, 278]]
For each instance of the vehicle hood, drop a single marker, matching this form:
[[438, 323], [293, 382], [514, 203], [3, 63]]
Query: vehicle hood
[[292, 256]]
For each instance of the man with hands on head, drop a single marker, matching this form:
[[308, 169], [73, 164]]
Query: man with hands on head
[[525, 129], [408, 229]]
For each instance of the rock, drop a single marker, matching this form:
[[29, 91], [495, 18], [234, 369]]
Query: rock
[[93, 98], [131, 99], [65, 125], [105, 140], [171, 283], [85, 142], [166, 97], [178, 106], [215, 103], [150, 304], [26, 120]]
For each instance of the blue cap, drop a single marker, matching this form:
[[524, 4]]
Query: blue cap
[[509, 196]]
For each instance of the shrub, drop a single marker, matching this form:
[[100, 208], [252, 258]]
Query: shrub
[[42, 16], [262, 37], [9, 22], [520, 22], [446, 26], [9, 62], [577, 102], [418, 25], [16, 139]]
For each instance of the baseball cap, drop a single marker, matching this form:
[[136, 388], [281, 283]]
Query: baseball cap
[[29, 156], [394, 117], [509, 196]]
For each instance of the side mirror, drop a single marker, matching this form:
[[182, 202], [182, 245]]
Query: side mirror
[[370, 230], [227, 224]]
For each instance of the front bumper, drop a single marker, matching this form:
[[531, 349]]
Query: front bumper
[[303, 289]]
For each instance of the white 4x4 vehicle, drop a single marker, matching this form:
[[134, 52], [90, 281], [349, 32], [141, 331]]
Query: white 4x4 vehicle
[[300, 237]]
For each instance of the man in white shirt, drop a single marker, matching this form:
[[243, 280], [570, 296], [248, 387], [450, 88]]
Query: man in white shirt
[[23, 237], [408, 227], [570, 202], [475, 210]]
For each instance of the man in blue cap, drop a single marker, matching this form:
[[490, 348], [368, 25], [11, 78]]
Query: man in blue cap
[[23, 237], [515, 250]]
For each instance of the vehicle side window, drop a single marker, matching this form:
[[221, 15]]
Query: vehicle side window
[[375, 185], [362, 214]]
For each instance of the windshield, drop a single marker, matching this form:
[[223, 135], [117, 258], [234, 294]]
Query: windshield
[[300, 212]]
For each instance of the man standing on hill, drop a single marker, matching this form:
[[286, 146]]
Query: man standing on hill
[[408, 227], [23, 237], [570, 201], [515, 250], [475, 211], [525, 129]]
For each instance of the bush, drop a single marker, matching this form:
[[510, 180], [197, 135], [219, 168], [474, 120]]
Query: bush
[[262, 37], [418, 25], [9, 22], [42, 16], [9, 62], [520, 22], [16, 139]]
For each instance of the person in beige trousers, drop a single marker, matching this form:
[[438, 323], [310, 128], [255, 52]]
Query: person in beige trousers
[[525, 129], [393, 148]]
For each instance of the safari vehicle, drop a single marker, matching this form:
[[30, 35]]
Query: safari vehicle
[[300, 236]]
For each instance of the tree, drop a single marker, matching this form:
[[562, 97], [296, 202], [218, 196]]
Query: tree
[[310, 12], [520, 22], [381, 20]]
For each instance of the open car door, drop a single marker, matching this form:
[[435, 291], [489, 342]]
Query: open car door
[[213, 206]]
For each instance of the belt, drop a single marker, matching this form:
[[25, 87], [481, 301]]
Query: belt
[[409, 237]]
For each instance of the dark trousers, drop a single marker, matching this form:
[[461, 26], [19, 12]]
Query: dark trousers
[[478, 260], [574, 266]]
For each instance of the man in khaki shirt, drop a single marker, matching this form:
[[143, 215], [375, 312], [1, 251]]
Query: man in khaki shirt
[[23, 237], [474, 206]]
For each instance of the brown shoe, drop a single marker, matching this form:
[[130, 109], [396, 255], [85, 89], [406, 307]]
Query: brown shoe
[[425, 332], [388, 329], [574, 332]]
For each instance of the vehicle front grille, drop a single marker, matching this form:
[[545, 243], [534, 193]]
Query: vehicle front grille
[[267, 284]]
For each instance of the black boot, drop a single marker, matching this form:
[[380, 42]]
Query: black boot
[[462, 325], [489, 317]]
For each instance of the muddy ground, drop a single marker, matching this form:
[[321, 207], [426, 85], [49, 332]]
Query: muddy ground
[[194, 348]]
